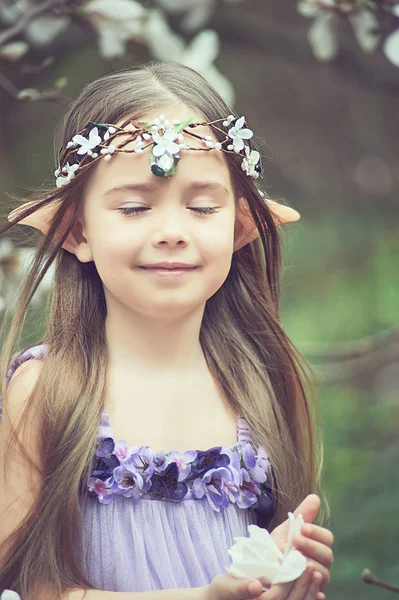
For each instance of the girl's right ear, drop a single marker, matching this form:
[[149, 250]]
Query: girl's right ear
[[77, 243]]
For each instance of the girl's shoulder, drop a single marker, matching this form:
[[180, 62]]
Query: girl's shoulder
[[25, 356], [21, 377]]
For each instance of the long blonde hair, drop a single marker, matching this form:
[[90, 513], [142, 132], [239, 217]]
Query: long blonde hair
[[258, 368]]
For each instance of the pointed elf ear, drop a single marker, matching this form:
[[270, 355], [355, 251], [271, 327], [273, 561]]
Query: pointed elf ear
[[245, 230], [41, 220]]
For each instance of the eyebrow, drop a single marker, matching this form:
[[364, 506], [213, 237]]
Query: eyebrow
[[151, 188]]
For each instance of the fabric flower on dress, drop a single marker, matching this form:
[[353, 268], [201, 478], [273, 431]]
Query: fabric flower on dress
[[101, 489], [238, 135], [221, 475], [258, 556]]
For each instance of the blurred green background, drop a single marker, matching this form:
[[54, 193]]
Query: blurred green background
[[329, 131]]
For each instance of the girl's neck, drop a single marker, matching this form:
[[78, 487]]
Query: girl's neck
[[146, 344]]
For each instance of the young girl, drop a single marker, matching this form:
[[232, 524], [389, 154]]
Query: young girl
[[166, 409]]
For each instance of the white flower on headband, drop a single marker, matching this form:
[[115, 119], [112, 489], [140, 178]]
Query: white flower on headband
[[69, 171], [258, 555], [250, 161], [165, 143], [10, 595], [87, 145], [238, 135], [160, 123]]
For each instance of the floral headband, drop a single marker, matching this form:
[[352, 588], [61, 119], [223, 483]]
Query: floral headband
[[98, 140]]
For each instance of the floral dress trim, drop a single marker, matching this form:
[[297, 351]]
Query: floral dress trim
[[237, 474]]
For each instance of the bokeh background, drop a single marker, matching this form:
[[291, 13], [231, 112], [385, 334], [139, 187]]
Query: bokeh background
[[318, 82]]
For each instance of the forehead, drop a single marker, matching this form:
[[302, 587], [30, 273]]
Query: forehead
[[194, 164]]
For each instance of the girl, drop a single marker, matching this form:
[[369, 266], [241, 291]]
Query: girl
[[166, 410]]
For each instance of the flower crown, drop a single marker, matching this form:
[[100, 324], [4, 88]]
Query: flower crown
[[98, 140]]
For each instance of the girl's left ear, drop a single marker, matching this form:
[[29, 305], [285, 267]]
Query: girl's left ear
[[245, 230]]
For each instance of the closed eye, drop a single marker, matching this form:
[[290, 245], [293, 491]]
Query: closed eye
[[130, 210]]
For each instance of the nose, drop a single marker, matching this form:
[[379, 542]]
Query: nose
[[171, 227]]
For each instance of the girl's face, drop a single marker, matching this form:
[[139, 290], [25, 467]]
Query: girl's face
[[134, 219]]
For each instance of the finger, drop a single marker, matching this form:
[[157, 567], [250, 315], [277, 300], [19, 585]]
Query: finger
[[315, 550], [284, 591], [314, 587], [244, 589], [301, 586], [320, 534]]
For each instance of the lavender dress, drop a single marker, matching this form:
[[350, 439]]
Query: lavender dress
[[161, 520]]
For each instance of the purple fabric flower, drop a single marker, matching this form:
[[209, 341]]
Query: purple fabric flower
[[106, 461], [129, 482], [101, 489], [219, 485], [122, 451], [141, 460], [255, 465], [166, 485], [183, 462], [209, 459]]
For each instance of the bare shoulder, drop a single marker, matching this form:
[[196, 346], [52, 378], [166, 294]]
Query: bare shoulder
[[21, 386]]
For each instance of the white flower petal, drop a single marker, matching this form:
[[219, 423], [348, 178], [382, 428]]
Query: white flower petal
[[44, 29], [258, 555], [203, 50], [308, 8], [391, 48], [363, 23], [322, 37], [198, 16], [158, 150], [161, 40], [117, 10], [14, 50]]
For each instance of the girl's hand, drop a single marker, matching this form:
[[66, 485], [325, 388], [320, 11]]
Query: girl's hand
[[314, 542], [229, 587]]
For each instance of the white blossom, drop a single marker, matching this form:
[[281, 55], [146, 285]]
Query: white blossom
[[258, 556], [14, 50], [238, 134], [116, 23], [199, 54], [250, 161], [391, 47], [160, 123], [322, 34], [139, 144], [68, 174], [42, 30], [165, 143], [87, 144]]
